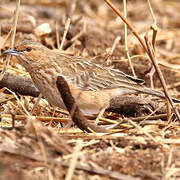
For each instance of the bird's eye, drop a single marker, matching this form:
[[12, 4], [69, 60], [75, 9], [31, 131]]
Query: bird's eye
[[28, 49]]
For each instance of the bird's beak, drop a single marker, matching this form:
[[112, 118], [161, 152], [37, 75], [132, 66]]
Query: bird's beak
[[12, 52]]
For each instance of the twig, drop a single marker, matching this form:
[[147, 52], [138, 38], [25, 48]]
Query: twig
[[77, 117], [39, 118], [133, 30], [154, 27], [149, 51], [19, 84], [155, 30], [139, 119], [161, 78]]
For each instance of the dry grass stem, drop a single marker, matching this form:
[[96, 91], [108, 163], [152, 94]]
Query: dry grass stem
[[143, 131], [74, 160], [5, 39], [21, 104], [15, 20], [35, 141], [133, 30], [110, 52], [154, 27], [80, 33], [68, 21], [163, 83], [126, 42], [57, 34]]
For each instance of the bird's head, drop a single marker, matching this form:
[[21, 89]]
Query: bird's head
[[29, 53]]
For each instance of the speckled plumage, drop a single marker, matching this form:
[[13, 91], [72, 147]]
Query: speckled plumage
[[96, 83]]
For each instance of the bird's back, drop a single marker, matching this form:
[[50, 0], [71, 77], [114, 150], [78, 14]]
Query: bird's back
[[85, 73]]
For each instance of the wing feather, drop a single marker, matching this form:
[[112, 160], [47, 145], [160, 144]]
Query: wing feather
[[90, 76]]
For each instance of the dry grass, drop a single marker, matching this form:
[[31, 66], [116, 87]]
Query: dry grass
[[41, 145]]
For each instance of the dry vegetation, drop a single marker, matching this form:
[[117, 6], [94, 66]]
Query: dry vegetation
[[141, 144]]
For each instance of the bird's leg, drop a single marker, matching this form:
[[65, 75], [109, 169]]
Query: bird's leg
[[100, 115], [36, 103]]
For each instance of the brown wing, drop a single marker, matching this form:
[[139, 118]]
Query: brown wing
[[90, 76]]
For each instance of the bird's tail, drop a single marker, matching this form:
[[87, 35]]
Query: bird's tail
[[156, 93]]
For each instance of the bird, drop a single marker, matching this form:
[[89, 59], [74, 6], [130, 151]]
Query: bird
[[91, 84]]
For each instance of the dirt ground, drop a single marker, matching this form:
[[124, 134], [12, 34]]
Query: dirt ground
[[142, 144]]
